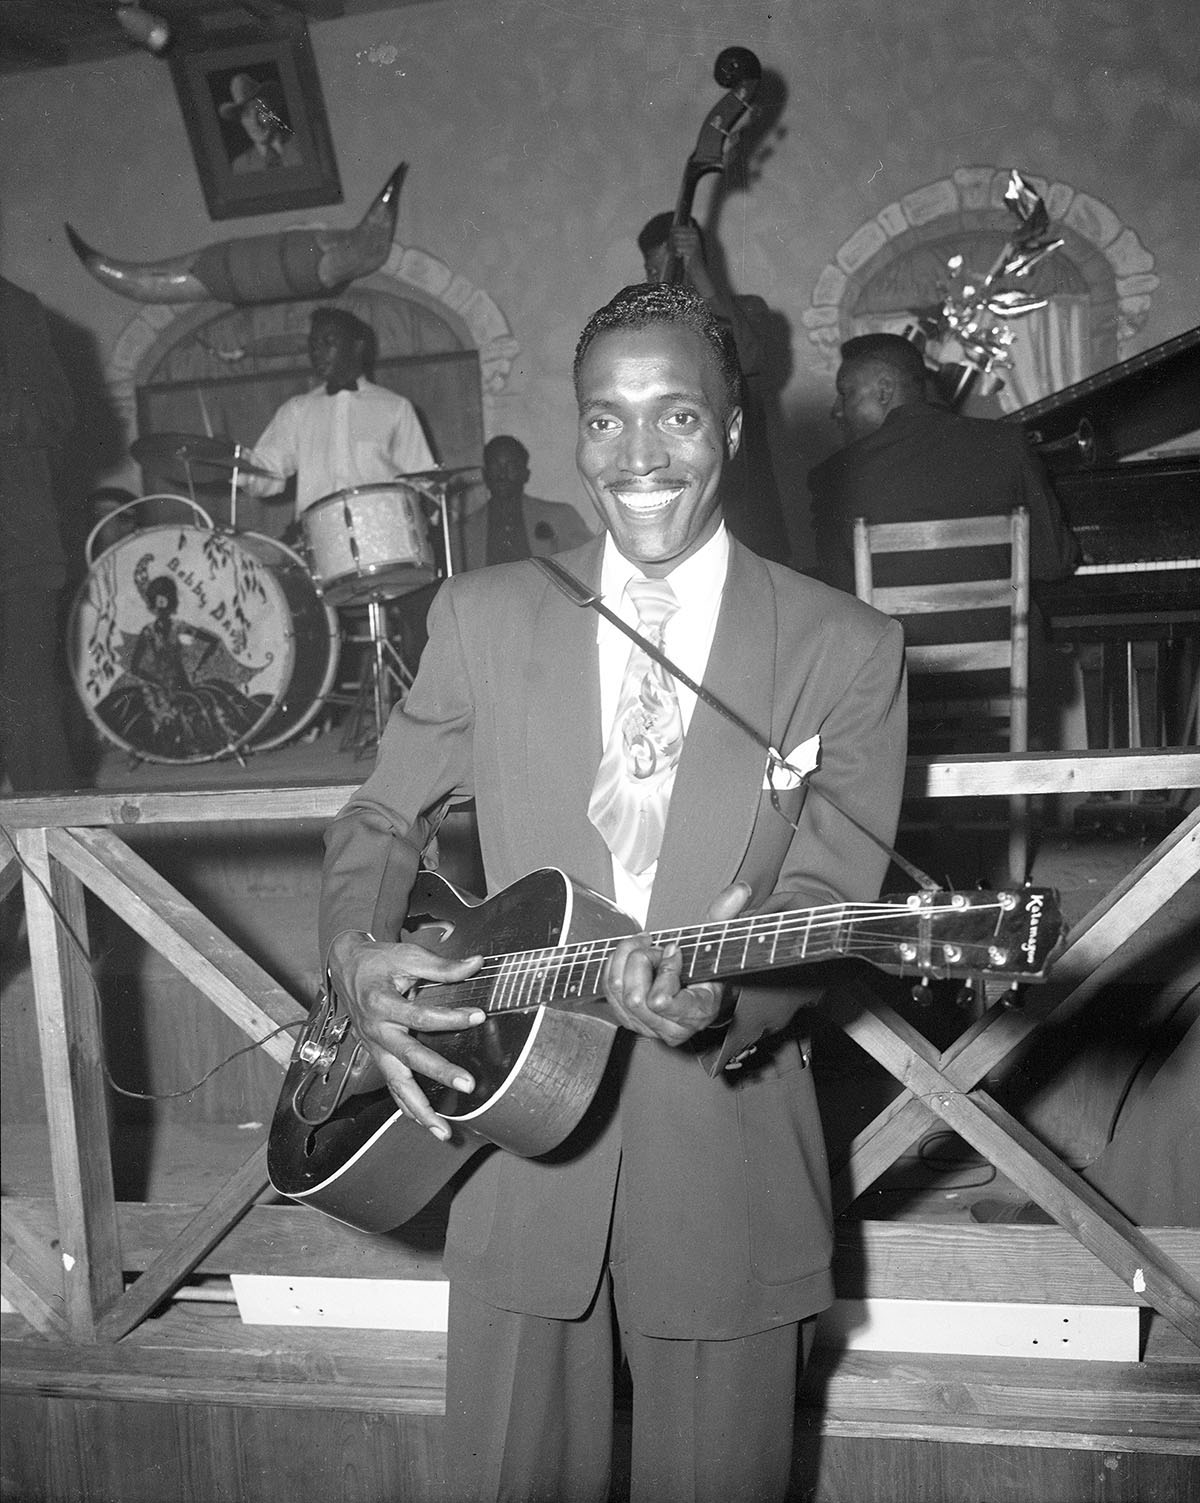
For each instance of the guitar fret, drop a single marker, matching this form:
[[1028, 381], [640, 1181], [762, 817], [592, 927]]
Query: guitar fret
[[706, 949], [600, 951], [533, 977], [761, 938], [553, 973], [501, 996], [527, 976], [578, 960]]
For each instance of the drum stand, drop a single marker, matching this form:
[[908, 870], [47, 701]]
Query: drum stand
[[384, 681], [386, 678]]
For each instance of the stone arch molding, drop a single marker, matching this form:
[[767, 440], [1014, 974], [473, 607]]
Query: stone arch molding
[[467, 307], [1117, 267]]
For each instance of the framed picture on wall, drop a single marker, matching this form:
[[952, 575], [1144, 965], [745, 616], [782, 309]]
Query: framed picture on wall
[[257, 126]]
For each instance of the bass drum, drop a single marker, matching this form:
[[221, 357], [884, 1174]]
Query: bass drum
[[187, 644], [315, 642]]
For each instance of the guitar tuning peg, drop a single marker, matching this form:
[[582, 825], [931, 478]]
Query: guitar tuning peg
[[967, 996], [922, 993], [1013, 998]]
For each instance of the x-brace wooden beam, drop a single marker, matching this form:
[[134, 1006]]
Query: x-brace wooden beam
[[945, 1084]]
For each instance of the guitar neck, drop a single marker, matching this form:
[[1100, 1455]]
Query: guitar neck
[[1008, 935], [572, 974]]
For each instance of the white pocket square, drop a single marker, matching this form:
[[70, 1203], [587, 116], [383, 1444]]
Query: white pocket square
[[801, 760]]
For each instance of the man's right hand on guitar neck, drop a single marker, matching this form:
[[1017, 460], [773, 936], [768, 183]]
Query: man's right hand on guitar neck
[[378, 984]]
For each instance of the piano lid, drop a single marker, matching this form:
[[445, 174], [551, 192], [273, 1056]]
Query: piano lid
[[1149, 399]]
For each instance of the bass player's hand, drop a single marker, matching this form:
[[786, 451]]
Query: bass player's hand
[[378, 984], [643, 984]]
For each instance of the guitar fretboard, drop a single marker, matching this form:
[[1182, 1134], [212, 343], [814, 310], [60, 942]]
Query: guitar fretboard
[[952, 934], [537, 978]]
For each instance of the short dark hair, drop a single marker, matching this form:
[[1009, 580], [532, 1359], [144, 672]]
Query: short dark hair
[[647, 303], [355, 329], [657, 231], [504, 441], [900, 356], [163, 584]]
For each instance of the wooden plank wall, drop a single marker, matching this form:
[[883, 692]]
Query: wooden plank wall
[[95, 1450]]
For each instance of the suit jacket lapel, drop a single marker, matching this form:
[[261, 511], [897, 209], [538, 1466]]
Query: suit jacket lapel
[[559, 689], [719, 780]]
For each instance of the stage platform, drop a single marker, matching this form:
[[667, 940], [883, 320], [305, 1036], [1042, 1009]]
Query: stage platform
[[197, 1403]]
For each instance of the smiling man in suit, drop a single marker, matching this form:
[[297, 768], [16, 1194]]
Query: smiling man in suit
[[690, 1210]]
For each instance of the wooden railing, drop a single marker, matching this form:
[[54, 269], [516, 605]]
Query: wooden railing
[[72, 1286]]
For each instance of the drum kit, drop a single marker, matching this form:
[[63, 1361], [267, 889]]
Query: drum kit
[[189, 642]]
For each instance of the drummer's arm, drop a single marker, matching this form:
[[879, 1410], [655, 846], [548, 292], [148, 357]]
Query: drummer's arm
[[264, 486], [410, 451], [275, 451]]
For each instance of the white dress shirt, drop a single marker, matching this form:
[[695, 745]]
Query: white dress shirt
[[697, 583], [331, 443]]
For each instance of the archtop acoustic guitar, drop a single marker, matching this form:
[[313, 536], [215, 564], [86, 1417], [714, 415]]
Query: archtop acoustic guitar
[[337, 1140]]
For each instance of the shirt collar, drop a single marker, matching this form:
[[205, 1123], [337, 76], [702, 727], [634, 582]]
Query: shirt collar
[[697, 582]]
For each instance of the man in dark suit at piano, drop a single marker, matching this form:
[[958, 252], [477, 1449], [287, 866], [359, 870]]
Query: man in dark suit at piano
[[908, 458]]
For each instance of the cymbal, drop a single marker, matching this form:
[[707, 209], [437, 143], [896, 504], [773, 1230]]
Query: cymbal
[[194, 448], [442, 473]]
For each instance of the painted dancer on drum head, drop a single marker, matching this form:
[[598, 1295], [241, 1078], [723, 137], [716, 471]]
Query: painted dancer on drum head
[[345, 432]]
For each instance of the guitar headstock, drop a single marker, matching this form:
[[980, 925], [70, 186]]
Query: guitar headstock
[[1013, 934]]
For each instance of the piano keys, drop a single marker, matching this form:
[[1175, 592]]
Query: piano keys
[[1138, 525], [1132, 609]]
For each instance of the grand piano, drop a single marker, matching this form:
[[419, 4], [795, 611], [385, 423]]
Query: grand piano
[[1133, 607]]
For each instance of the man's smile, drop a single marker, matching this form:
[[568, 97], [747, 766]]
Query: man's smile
[[646, 500]]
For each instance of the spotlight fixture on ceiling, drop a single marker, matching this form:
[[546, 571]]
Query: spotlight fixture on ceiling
[[147, 30]]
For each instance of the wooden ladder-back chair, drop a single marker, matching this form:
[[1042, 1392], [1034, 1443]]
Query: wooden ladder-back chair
[[956, 716]]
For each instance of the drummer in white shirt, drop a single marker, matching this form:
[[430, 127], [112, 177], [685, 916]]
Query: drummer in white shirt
[[345, 432]]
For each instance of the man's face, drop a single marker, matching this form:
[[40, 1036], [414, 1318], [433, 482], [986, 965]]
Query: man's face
[[505, 472], [655, 261], [859, 407], [335, 354], [654, 432]]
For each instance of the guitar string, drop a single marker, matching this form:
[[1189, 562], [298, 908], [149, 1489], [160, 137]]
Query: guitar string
[[742, 928], [539, 964], [690, 937], [816, 919]]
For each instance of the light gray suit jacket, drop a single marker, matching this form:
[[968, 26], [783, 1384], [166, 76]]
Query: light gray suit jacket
[[550, 526], [725, 1180]]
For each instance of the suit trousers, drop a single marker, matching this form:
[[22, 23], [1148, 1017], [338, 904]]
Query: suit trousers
[[529, 1405]]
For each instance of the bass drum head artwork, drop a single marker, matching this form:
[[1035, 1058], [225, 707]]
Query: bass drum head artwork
[[181, 644]]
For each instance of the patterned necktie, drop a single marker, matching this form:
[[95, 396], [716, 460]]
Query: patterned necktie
[[633, 785]]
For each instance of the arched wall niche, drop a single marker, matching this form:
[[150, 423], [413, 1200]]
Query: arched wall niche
[[902, 251], [417, 304]]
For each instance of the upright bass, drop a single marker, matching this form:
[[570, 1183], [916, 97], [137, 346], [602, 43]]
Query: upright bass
[[738, 70]]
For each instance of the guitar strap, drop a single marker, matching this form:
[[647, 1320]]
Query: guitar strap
[[579, 594]]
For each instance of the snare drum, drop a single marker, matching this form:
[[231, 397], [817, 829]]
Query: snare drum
[[187, 644], [368, 542]]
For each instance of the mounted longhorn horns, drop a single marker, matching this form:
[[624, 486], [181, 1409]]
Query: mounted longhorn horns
[[259, 268]]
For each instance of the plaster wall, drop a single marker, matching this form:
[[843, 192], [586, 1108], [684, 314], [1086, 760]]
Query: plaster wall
[[541, 136]]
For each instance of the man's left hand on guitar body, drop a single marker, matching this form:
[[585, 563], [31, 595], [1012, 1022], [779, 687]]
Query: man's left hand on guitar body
[[642, 982], [377, 984]]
